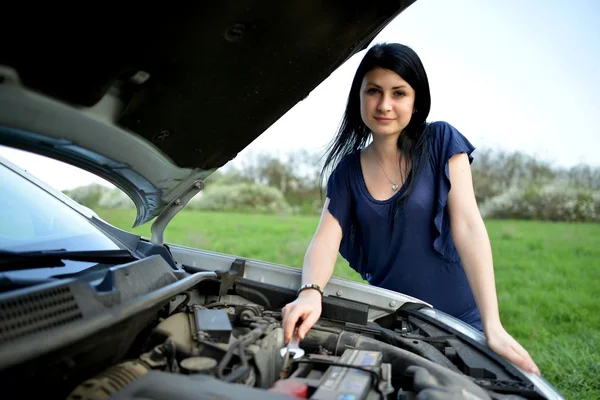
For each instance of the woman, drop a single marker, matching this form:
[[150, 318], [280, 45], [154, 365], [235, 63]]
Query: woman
[[401, 208]]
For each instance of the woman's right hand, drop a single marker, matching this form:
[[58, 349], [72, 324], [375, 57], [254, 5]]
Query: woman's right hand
[[302, 312]]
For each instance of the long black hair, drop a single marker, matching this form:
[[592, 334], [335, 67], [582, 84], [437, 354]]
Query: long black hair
[[353, 134]]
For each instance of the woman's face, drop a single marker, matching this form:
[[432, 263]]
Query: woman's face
[[386, 102]]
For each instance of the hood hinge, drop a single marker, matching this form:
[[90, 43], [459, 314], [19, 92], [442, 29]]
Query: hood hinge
[[173, 207]]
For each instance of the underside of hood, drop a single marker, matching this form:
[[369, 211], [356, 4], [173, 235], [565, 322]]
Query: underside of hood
[[193, 83]]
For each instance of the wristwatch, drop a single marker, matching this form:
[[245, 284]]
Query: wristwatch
[[310, 286]]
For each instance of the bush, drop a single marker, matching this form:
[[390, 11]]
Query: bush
[[97, 196], [240, 197], [552, 202], [88, 195], [115, 198], [495, 172]]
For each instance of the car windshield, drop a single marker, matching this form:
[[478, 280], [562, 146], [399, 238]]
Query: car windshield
[[32, 219]]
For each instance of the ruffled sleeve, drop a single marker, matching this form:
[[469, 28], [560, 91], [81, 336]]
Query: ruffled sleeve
[[447, 141], [341, 206], [338, 192]]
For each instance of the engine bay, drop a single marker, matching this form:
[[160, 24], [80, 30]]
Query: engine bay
[[219, 335], [226, 341], [234, 341]]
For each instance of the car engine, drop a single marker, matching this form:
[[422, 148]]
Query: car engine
[[228, 346], [234, 341], [219, 336]]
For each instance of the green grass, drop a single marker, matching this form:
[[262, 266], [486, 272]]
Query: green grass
[[548, 279]]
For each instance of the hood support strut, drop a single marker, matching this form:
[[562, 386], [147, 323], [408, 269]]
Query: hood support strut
[[187, 189]]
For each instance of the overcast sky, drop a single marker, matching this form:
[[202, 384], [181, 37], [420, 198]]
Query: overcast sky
[[511, 74]]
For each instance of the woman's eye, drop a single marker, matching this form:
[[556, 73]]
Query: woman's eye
[[372, 91], [399, 94]]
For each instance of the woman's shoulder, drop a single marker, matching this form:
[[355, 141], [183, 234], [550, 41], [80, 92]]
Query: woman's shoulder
[[344, 172], [443, 136], [440, 130], [347, 163]]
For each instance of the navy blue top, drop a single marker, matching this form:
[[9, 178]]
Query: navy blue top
[[411, 252]]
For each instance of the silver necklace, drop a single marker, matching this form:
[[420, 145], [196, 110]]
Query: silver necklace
[[394, 186]]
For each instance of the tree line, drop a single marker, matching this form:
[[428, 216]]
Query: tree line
[[507, 185]]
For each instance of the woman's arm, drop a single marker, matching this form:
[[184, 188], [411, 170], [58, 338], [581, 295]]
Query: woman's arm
[[322, 251], [319, 262], [473, 245]]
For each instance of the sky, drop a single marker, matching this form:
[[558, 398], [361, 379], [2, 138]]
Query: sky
[[512, 75]]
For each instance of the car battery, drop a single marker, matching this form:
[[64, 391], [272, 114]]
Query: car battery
[[346, 383]]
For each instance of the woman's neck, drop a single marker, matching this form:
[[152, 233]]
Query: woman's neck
[[386, 149]]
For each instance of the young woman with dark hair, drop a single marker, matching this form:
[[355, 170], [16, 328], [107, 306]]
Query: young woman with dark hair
[[400, 206]]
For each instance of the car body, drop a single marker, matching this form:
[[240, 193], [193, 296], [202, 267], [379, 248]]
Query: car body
[[91, 311]]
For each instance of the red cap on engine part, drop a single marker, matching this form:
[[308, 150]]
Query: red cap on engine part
[[291, 388]]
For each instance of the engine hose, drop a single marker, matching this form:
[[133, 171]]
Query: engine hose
[[337, 343], [241, 371], [240, 346], [433, 374]]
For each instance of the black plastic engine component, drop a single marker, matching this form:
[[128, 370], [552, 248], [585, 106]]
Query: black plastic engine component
[[275, 297], [349, 383], [212, 325], [345, 310]]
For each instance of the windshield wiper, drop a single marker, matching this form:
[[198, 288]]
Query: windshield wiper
[[12, 261]]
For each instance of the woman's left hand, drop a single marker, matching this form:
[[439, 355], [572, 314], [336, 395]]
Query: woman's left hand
[[506, 346]]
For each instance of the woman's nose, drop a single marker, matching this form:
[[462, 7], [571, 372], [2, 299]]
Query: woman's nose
[[384, 104]]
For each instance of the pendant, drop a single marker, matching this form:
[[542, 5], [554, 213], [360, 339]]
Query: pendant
[[394, 187]]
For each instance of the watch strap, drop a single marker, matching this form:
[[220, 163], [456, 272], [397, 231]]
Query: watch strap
[[310, 286]]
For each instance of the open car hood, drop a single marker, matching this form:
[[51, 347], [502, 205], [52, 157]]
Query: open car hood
[[155, 100]]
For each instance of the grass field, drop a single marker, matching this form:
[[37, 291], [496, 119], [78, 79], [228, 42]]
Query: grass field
[[548, 279]]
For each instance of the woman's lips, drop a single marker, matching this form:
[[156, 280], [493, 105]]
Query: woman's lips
[[384, 120]]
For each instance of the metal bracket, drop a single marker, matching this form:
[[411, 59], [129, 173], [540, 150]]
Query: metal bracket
[[171, 209], [229, 277]]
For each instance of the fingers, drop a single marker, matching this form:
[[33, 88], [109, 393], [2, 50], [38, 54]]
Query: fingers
[[289, 319], [511, 355], [507, 347], [526, 361], [309, 320], [302, 313], [301, 316], [293, 317], [516, 354]]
